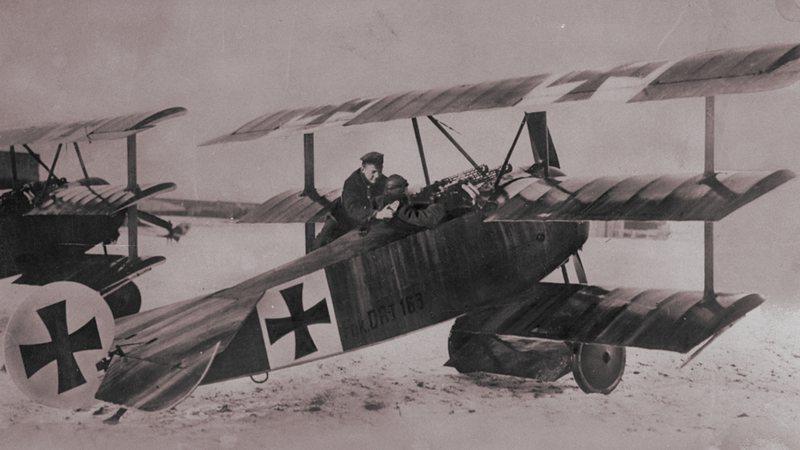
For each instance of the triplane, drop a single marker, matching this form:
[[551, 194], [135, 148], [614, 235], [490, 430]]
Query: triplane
[[483, 266], [46, 227]]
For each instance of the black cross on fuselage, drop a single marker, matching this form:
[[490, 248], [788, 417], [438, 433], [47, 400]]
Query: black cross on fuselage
[[62, 347], [298, 321]]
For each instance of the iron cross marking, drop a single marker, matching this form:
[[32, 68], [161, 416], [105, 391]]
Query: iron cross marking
[[298, 321], [62, 347]]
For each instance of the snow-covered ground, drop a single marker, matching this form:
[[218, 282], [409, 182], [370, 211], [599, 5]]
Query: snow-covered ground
[[741, 392]]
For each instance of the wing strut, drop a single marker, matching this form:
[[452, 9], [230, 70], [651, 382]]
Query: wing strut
[[421, 151], [36, 157], [456, 144], [309, 189], [708, 227], [541, 141], [133, 219], [50, 175], [13, 156], [80, 159], [510, 151]]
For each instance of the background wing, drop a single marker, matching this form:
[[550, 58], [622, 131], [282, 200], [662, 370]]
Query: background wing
[[641, 197], [706, 74], [88, 130], [101, 199], [647, 318]]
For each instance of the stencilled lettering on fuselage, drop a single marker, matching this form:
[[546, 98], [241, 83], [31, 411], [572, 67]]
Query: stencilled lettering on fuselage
[[298, 321], [385, 314]]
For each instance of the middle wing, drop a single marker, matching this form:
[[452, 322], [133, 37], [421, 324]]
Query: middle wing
[[643, 197], [293, 207]]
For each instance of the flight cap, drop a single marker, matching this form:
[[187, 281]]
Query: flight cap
[[373, 158]]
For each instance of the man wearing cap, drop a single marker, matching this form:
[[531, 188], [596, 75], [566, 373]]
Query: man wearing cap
[[358, 203], [361, 189]]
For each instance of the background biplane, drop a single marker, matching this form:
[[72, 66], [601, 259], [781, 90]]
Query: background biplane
[[46, 227], [483, 266]]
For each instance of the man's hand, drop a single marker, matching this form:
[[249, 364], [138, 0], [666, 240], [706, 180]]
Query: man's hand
[[388, 211], [471, 190]]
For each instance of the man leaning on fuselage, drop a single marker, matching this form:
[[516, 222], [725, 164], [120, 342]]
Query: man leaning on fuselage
[[358, 202], [362, 188]]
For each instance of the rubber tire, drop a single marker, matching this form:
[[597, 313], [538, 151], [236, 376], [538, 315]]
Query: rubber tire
[[598, 368]]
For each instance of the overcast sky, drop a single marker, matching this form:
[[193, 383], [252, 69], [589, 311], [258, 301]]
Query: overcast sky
[[228, 62]]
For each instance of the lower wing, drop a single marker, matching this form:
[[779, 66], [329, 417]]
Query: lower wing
[[647, 318]]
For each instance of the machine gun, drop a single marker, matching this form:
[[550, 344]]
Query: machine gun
[[448, 190]]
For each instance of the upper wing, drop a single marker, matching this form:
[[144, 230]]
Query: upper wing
[[293, 206], [88, 130], [706, 74], [104, 199], [168, 350], [641, 197], [655, 319]]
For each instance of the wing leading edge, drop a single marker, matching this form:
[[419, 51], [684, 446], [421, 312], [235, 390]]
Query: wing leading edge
[[718, 72]]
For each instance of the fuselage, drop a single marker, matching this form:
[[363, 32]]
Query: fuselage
[[29, 241], [363, 289]]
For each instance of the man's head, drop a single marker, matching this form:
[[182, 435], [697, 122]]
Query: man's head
[[372, 166], [395, 187]]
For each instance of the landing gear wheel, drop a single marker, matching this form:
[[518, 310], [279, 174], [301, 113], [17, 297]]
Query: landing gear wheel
[[125, 301], [598, 368]]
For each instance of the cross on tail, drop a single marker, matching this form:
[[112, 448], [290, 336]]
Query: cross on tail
[[62, 347]]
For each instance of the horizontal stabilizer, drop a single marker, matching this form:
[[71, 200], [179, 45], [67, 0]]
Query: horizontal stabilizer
[[103, 273], [103, 199], [706, 74], [168, 350], [88, 130], [642, 197], [293, 207], [646, 318], [152, 386]]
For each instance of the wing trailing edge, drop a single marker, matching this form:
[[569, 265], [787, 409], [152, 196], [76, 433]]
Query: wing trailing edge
[[647, 318], [681, 197]]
